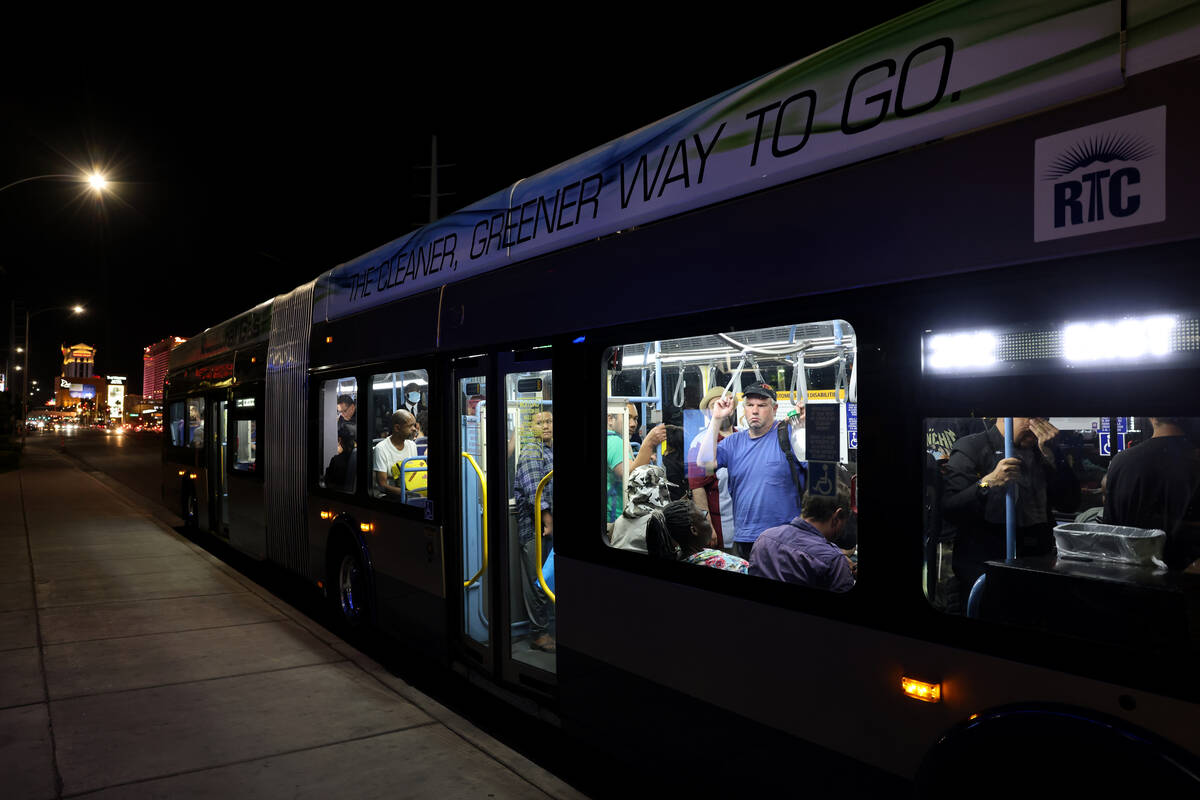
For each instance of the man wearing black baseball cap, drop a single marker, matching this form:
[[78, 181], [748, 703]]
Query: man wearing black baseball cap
[[760, 479]]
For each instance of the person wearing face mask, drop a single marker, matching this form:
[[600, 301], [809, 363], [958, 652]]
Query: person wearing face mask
[[413, 402], [977, 478]]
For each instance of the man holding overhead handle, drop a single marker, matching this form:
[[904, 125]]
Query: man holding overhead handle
[[760, 478]]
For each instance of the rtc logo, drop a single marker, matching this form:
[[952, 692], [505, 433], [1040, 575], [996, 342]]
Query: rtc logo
[[1101, 177]]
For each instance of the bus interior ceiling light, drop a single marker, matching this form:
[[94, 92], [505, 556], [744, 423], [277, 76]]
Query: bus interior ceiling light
[[958, 350], [1133, 337]]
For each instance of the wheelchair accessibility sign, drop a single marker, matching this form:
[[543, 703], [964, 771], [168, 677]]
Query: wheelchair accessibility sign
[[822, 478]]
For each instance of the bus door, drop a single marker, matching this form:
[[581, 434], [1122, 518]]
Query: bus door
[[218, 468], [473, 576], [505, 446], [246, 510], [525, 563]]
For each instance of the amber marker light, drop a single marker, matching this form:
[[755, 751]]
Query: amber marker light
[[367, 527], [193, 476], [920, 690], [328, 340], [326, 515], [182, 472]]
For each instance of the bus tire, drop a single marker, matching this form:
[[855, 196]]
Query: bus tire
[[191, 509], [351, 587], [1054, 749]]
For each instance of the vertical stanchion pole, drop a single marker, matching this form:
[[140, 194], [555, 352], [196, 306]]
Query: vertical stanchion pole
[[1010, 498]]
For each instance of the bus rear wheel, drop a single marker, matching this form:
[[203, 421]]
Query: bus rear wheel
[[350, 590]]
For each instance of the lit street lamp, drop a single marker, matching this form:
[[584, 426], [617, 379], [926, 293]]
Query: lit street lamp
[[98, 183], [96, 180]]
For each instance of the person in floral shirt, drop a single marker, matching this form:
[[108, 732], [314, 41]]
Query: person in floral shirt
[[684, 534]]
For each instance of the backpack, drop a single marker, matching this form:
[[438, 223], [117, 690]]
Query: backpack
[[785, 446]]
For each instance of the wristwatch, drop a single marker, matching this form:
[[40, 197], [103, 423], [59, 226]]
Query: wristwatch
[[984, 485]]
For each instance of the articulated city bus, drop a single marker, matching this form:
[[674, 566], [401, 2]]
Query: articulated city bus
[[960, 216]]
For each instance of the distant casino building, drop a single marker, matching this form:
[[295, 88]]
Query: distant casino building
[[80, 392], [154, 367], [79, 360]]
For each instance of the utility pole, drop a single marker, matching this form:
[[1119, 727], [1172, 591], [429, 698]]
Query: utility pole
[[433, 182]]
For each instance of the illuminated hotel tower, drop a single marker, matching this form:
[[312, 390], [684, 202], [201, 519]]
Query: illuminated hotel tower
[[154, 367], [78, 360]]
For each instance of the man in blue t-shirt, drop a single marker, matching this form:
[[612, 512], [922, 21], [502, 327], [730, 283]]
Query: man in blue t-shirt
[[760, 479]]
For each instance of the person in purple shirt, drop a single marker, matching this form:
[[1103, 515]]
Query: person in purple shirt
[[760, 478], [802, 551]]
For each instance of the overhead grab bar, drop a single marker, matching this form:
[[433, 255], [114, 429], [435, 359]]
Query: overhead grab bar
[[778, 350], [677, 398], [537, 533], [483, 489]]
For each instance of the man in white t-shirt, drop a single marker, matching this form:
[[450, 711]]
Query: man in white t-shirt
[[391, 452]]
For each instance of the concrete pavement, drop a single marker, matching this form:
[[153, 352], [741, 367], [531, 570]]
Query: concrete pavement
[[134, 665]]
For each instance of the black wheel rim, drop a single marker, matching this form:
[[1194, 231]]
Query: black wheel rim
[[350, 588]]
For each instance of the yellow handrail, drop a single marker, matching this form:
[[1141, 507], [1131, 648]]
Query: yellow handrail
[[537, 533], [483, 487]]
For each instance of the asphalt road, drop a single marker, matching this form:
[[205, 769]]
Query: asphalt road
[[134, 459]]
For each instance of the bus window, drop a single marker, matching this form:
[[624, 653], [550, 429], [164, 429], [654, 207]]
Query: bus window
[[1104, 519], [193, 428], [339, 434], [246, 458], [177, 424], [737, 451], [399, 414]]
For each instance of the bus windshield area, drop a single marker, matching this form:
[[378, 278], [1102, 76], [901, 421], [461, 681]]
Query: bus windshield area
[[1066, 523], [737, 451]]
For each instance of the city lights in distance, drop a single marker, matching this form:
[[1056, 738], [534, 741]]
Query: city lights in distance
[[97, 181], [1123, 340], [962, 350]]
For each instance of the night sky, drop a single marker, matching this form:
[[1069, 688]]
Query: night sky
[[244, 166]]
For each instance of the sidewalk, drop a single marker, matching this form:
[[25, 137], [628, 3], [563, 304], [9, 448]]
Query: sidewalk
[[134, 665]]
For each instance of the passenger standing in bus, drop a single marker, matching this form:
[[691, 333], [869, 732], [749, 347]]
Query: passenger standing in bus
[[760, 478], [1155, 485], [634, 433], [710, 492], [348, 411], [413, 402], [534, 463], [618, 463], [393, 451], [802, 551], [973, 494]]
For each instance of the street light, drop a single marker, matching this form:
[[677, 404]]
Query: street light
[[96, 180], [75, 309]]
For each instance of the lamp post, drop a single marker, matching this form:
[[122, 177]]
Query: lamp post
[[75, 309], [98, 183]]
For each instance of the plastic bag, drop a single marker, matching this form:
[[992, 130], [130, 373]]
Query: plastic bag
[[1117, 544]]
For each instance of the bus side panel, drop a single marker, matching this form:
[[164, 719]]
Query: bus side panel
[[820, 680], [247, 516], [622, 715]]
